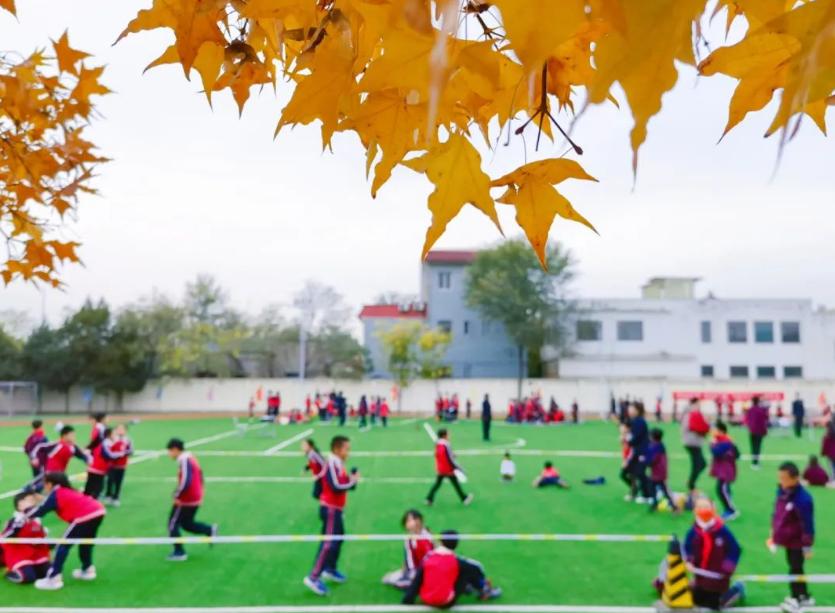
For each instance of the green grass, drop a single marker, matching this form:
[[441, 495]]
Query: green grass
[[529, 572]]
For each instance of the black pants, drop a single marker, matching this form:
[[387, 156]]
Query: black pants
[[661, 487], [363, 421], [697, 465], [756, 447], [707, 599], [798, 425], [629, 479], [113, 489], [94, 485], [723, 490], [440, 479], [183, 517], [385, 421], [796, 559], [341, 417], [471, 578], [485, 429], [327, 557], [85, 529], [638, 469], [29, 573]]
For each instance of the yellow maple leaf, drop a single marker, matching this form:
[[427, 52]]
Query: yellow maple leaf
[[454, 167], [66, 55], [642, 57], [530, 189]]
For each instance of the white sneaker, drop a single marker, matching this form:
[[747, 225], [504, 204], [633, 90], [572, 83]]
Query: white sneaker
[[50, 583], [790, 605], [87, 574], [468, 500], [641, 500], [809, 601], [115, 503], [106, 500]]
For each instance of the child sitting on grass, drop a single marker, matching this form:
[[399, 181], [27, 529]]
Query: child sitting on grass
[[815, 474], [550, 476], [25, 563], [507, 468], [417, 546]]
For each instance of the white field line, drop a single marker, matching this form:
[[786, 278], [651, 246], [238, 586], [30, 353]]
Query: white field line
[[470, 608], [289, 441], [143, 456], [271, 479], [430, 431]]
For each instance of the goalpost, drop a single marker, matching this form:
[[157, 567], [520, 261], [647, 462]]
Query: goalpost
[[18, 398]]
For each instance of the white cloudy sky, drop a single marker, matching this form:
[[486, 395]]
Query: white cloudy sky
[[195, 190]]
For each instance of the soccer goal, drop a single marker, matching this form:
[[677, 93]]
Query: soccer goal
[[18, 398]]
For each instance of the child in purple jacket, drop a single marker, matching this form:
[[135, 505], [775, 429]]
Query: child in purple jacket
[[723, 468], [657, 460], [793, 528], [756, 419]]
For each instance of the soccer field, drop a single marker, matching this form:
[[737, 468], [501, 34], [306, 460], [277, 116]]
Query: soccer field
[[255, 486]]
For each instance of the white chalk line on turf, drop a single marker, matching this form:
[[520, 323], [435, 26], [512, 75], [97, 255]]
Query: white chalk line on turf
[[377, 608], [430, 431], [288, 441], [277, 479]]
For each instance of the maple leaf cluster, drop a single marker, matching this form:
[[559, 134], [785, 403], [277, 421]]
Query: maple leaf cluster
[[45, 161]]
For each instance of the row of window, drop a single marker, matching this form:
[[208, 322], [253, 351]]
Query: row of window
[[763, 331], [762, 372], [467, 326], [592, 330]]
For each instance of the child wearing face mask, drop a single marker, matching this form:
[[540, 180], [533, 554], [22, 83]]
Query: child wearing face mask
[[712, 553]]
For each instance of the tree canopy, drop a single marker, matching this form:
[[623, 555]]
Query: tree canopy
[[430, 85]]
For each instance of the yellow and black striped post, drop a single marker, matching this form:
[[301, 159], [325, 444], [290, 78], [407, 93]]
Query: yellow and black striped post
[[676, 594]]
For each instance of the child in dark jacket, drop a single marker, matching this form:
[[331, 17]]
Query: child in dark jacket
[[815, 474], [793, 528], [712, 554], [723, 468], [657, 460]]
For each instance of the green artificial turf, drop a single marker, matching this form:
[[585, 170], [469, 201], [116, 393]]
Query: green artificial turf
[[529, 572]]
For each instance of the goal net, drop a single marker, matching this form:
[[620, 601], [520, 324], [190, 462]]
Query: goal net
[[18, 398]]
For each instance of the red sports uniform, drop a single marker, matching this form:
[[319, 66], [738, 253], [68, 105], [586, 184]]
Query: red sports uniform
[[54, 457], [444, 458], [189, 492], [417, 549], [18, 556]]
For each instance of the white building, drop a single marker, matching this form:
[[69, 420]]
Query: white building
[[670, 333]]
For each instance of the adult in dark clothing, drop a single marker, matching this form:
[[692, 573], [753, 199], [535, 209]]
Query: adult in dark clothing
[[341, 406], [486, 417], [756, 419], [799, 413], [636, 461], [624, 410]]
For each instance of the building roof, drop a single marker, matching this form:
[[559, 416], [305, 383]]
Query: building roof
[[393, 311], [451, 256]]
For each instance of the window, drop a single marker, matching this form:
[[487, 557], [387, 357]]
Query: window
[[707, 332], [790, 331], [739, 372], [707, 371], [630, 330], [737, 332], [792, 372], [466, 327], [445, 325], [444, 280], [763, 332], [589, 330], [766, 372]]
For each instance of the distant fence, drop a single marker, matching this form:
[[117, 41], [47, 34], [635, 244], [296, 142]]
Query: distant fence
[[592, 395]]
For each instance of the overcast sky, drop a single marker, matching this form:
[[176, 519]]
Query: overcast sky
[[193, 189]]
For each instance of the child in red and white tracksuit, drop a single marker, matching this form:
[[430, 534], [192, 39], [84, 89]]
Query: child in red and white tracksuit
[[25, 563], [103, 458], [443, 577], [122, 448], [550, 476], [336, 483], [84, 516], [445, 467], [416, 547], [35, 438], [55, 456], [187, 499]]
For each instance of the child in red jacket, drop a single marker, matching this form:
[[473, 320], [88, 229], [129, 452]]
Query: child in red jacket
[[25, 563], [445, 468], [417, 546], [550, 476]]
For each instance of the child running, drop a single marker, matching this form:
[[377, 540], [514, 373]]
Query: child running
[[122, 448], [793, 528], [316, 465], [25, 563], [658, 469], [443, 577], [187, 499], [723, 468], [416, 547], [335, 485], [445, 467], [84, 516], [550, 476], [712, 554], [35, 438], [55, 456]]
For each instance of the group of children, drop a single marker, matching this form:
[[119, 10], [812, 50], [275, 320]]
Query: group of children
[[532, 410]]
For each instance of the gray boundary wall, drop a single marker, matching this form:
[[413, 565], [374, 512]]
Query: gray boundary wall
[[223, 395]]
